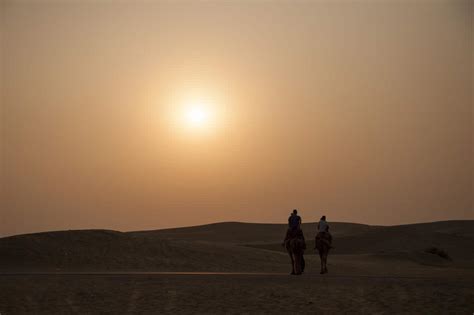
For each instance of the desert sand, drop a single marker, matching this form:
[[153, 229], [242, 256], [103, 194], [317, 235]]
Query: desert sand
[[373, 269]]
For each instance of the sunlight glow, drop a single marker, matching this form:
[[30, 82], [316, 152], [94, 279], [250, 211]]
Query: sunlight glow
[[197, 115]]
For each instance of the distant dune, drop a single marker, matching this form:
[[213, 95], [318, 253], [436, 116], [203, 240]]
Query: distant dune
[[455, 238], [236, 232], [233, 246]]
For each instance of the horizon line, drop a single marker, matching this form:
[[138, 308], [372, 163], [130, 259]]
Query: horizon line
[[226, 222]]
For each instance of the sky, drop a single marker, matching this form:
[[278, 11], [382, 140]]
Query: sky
[[133, 115]]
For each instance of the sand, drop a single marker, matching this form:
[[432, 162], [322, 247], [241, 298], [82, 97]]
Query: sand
[[372, 270], [234, 294]]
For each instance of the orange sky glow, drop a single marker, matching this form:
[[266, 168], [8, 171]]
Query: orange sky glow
[[135, 115]]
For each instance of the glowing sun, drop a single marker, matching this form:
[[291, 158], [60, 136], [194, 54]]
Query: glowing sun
[[197, 114]]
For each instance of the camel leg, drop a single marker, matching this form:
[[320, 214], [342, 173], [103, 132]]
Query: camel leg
[[292, 263], [322, 261], [303, 263], [295, 267], [325, 259], [297, 259]]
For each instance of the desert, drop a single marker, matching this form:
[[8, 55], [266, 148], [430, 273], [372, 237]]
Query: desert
[[239, 268]]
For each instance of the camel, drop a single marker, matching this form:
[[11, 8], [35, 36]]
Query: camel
[[323, 245], [295, 245]]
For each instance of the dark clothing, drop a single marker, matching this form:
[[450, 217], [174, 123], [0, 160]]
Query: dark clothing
[[294, 221]]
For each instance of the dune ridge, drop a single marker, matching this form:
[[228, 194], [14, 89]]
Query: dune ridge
[[234, 246]]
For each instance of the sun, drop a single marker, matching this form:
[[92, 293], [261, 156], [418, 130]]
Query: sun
[[197, 114], [194, 116]]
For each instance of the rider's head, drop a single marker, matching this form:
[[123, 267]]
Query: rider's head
[[323, 218], [295, 211]]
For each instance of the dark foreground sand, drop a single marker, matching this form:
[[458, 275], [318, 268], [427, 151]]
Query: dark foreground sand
[[234, 294]]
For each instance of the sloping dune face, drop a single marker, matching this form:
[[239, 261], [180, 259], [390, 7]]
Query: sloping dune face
[[102, 250], [412, 241], [232, 247], [455, 238], [249, 233]]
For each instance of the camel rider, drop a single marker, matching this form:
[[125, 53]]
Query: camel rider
[[294, 221], [323, 225], [294, 227], [323, 231]]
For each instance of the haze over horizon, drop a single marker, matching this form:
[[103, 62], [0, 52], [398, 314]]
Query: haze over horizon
[[152, 114]]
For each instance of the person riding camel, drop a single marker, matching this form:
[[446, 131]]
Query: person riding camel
[[322, 243], [293, 233], [323, 226], [294, 227], [323, 231], [294, 221]]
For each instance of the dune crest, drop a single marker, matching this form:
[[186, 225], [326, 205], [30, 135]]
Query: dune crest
[[233, 246]]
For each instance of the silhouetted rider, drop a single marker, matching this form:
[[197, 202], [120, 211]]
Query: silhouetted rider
[[323, 232], [294, 227], [294, 221], [294, 230]]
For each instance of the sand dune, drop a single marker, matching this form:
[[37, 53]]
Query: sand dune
[[372, 270], [406, 242], [234, 247], [236, 232], [110, 250]]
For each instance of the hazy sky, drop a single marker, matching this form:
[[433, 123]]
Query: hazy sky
[[359, 110]]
